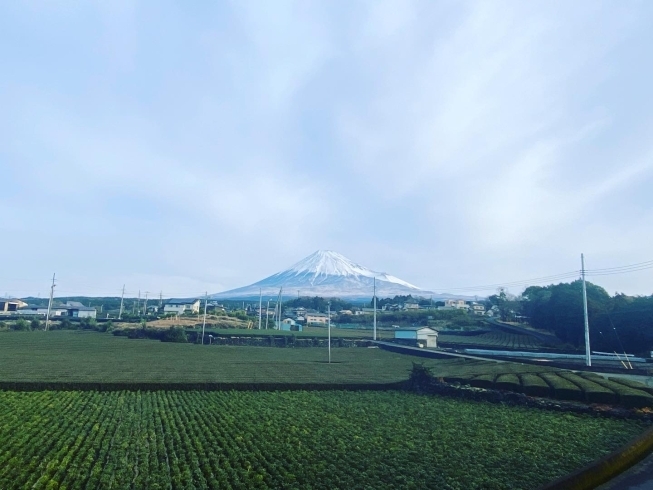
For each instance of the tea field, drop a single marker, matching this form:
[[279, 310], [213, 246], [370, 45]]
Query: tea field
[[72, 357], [492, 340], [298, 439]]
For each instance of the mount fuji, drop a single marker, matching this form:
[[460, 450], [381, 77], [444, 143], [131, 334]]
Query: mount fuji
[[327, 274]]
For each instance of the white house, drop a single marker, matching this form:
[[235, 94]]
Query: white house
[[459, 304], [411, 306], [180, 306], [477, 309], [423, 336]]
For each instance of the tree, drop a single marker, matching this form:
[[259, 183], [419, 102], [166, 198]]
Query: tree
[[35, 324], [21, 324], [559, 308], [89, 323]]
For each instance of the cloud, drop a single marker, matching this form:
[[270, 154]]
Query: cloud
[[448, 144]]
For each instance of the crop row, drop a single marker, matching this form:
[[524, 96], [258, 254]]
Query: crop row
[[200, 440], [496, 340], [564, 385]]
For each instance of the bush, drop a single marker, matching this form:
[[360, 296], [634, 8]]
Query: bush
[[594, 392], [65, 324], [20, 324], [483, 380], [629, 397], [562, 388], [463, 380], [174, 334], [633, 384], [35, 324], [533, 385], [509, 382], [88, 323]]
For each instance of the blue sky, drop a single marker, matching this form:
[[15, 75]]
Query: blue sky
[[191, 146]]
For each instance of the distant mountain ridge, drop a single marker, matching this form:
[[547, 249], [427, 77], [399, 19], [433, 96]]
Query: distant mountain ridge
[[331, 275]]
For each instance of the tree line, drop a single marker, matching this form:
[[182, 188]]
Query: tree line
[[617, 323]]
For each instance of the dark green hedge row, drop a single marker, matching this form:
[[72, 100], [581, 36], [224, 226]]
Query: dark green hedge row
[[82, 386], [564, 385]]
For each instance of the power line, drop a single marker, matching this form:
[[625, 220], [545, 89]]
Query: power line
[[648, 263], [622, 271], [564, 275]]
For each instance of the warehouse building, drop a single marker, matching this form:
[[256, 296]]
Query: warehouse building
[[420, 336]]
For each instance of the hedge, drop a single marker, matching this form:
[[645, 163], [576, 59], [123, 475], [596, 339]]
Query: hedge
[[463, 380], [533, 385], [509, 382], [562, 388], [629, 397], [483, 381], [633, 384], [594, 392]]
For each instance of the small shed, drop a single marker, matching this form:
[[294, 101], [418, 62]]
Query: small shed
[[425, 336], [289, 325]]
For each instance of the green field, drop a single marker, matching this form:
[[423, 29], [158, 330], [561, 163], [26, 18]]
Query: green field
[[76, 356], [320, 440], [492, 340]]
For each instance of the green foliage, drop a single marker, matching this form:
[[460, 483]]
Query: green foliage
[[537, 381], [21, 324], [241, 315], [495, 340], [318, 303], [509, 382], [65, 324], [174, 334], [631, 394], [335, 439], [563, 389], [483, 380], [619, 323], [35, 324], [508, 307], [534, 385], [594, 392], [88, 324]]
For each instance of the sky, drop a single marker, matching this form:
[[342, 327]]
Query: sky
[[183, 147]]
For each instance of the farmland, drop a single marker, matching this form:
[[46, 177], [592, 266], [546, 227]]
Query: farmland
[[335, 439], [76, 357], [492, 340], [89, 360]]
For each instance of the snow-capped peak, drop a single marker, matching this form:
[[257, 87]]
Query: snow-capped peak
[[329, 263]]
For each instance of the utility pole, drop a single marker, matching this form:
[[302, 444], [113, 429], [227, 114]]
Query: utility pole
[[588, 355], [267, 314], [206, 300], [375, 308], [280, 305], [122, 298], [138, 308], [145, 305], [47, 318], [329, 327], [160, 300], [260, 307]]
